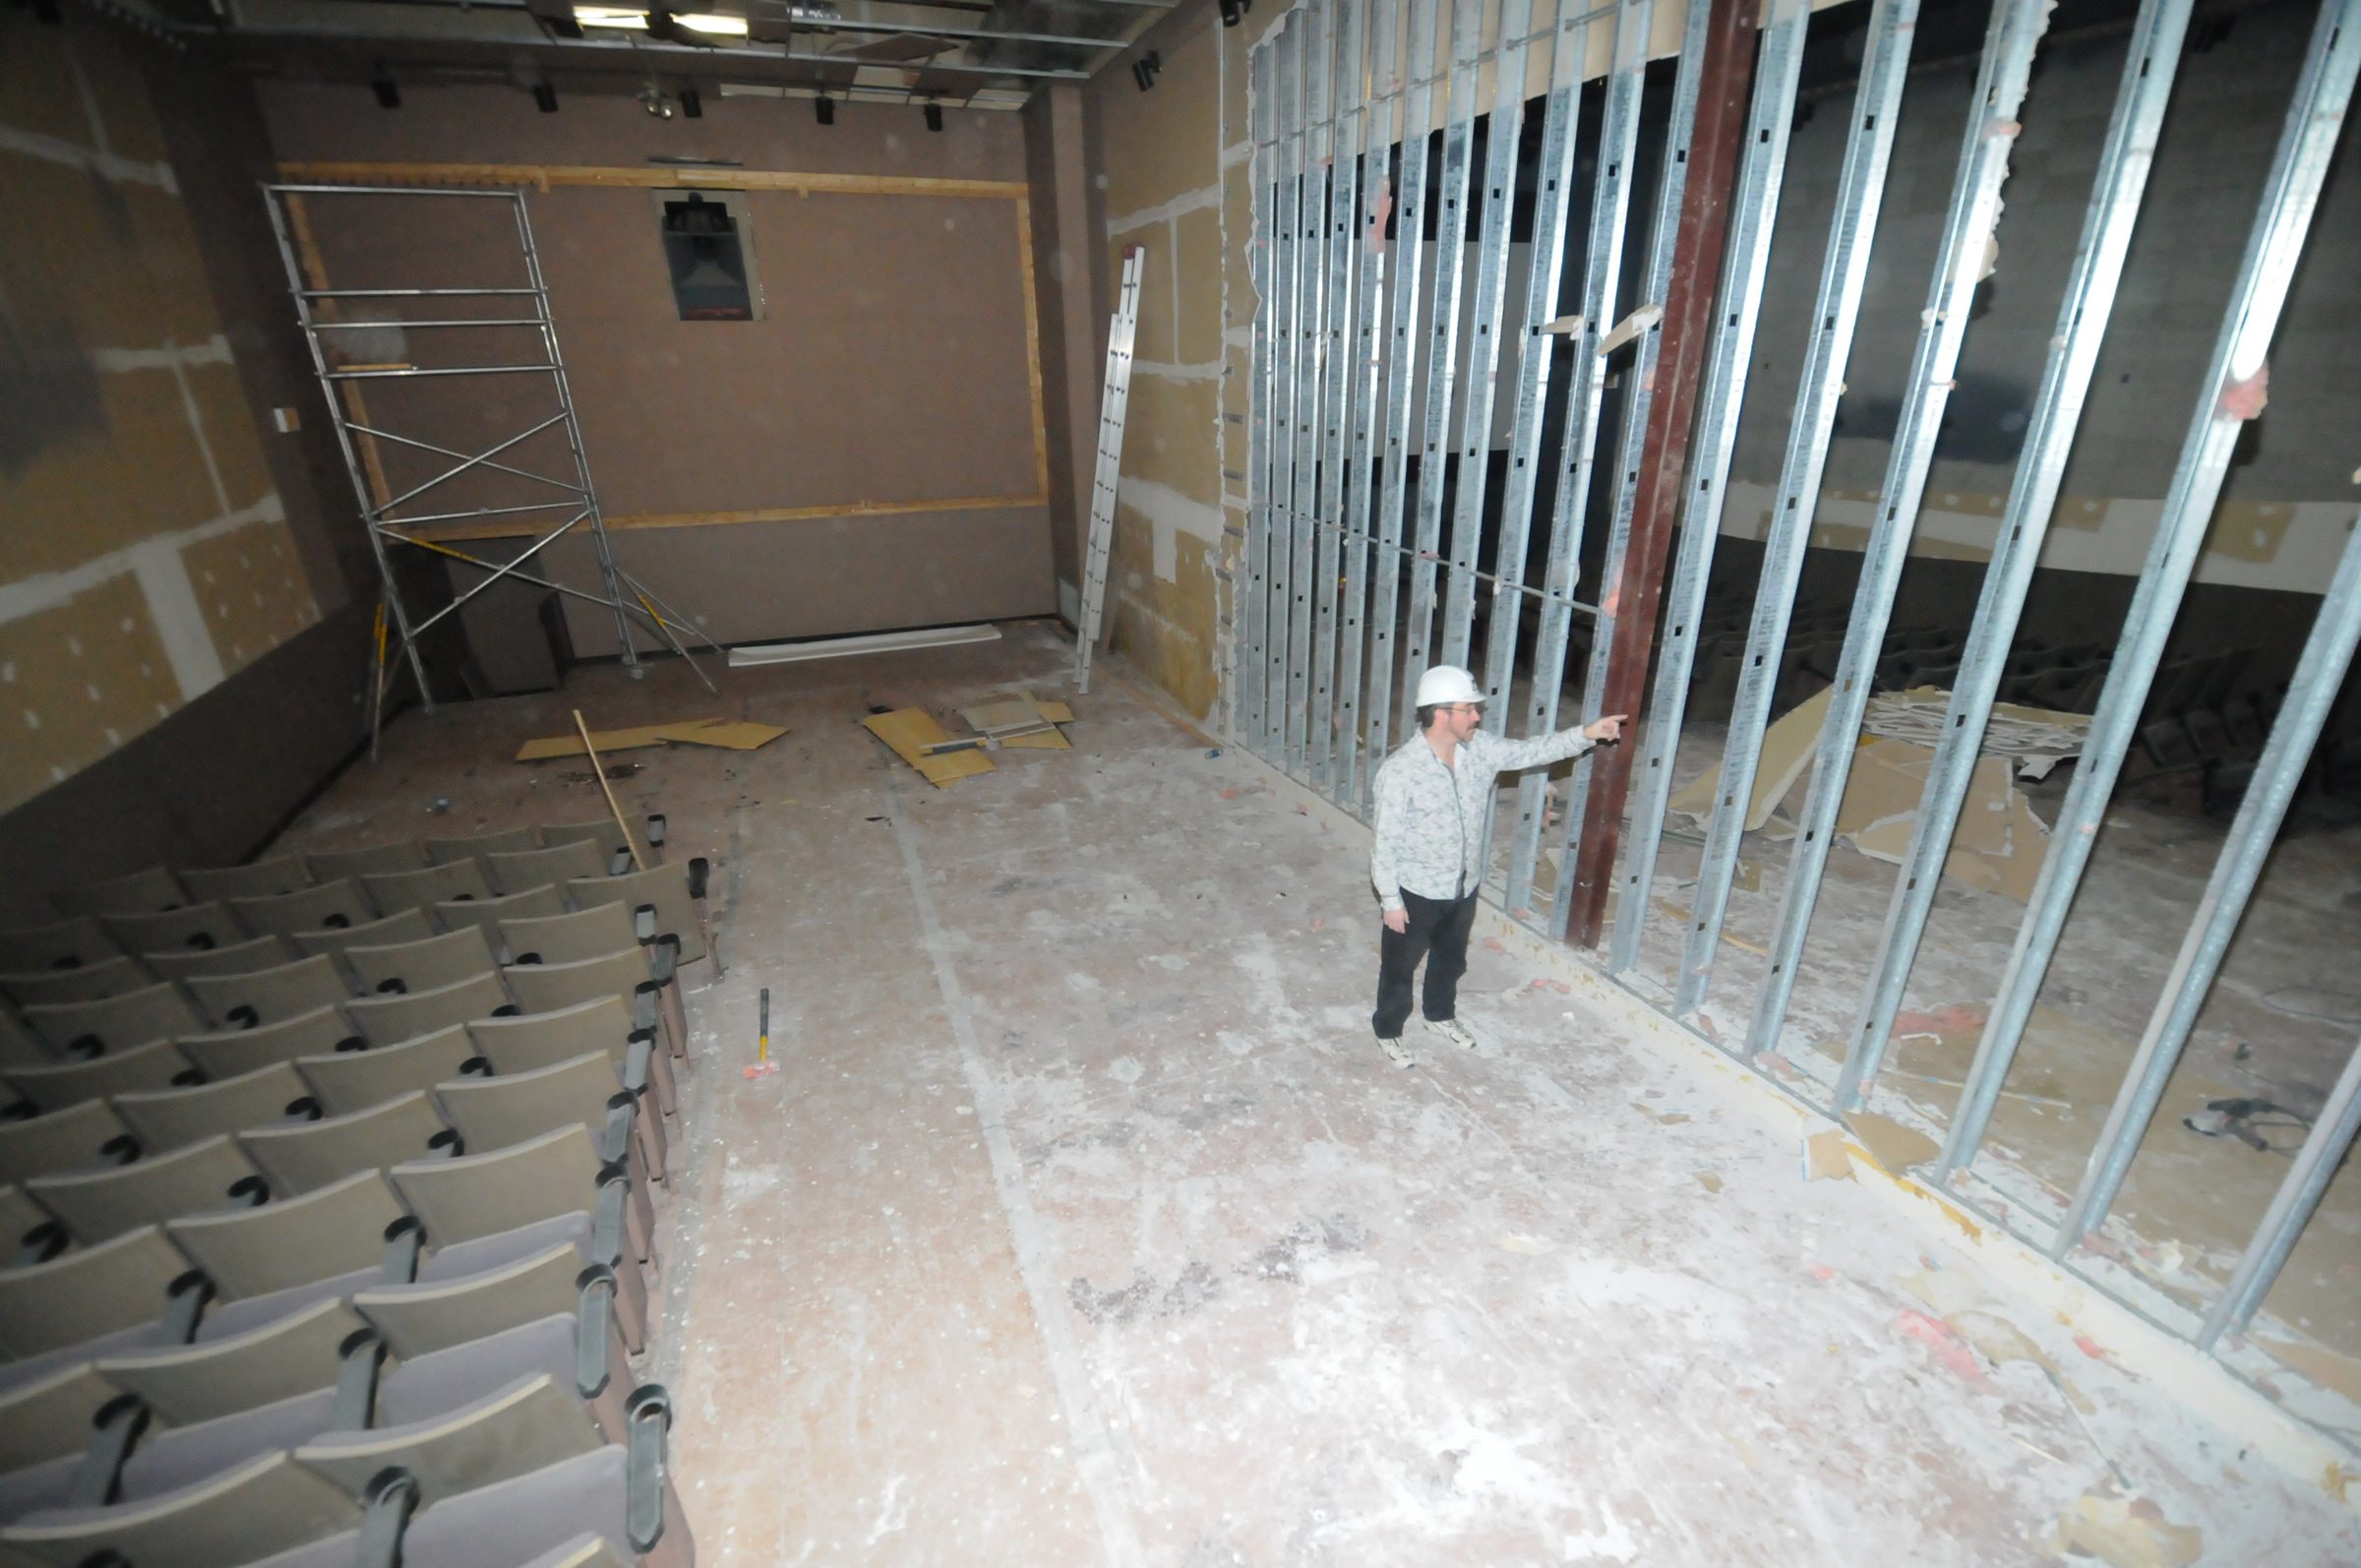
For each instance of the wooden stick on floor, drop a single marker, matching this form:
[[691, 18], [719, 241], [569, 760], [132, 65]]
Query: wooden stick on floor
[[629, 841]]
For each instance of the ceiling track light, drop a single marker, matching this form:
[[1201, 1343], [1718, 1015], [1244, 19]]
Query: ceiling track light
[[1145, 68], [1235, 11], [934, 116], [824, 109], [547, 96], [692, 107], [388, 91]]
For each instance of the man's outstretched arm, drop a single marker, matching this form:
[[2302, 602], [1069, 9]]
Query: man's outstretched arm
[[1508, 755]]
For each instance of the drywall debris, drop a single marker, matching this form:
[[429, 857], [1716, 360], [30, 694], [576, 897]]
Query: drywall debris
[[2330, 1369], [1998, 845], [1630, 326], [2035, 738], [1824, 1156], [1786, 749], [2127, 1532], [734, 735], [1017, 719], [1892, 1147], [909, 730]]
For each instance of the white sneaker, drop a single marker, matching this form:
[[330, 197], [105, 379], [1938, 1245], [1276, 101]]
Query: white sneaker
[[1453, 1030], [1396, 1052]]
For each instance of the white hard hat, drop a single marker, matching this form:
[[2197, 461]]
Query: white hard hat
[[1446, 682]]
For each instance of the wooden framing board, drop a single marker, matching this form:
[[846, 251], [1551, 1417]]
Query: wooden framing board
[[544, 176], [1040, 424], [453, 532]]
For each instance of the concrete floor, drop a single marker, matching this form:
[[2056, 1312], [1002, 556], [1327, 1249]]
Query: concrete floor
[[1083, 1222]]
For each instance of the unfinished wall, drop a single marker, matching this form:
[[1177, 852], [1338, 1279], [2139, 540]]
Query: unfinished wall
[[150, 568], [868, 454], [2290, 498], [1169, 174]]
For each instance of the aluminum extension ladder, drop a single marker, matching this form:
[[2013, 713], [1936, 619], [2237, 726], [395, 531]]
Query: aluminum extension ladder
[[1111, 403]]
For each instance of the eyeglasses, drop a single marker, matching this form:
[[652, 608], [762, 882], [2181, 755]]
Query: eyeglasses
[[1475, 708]]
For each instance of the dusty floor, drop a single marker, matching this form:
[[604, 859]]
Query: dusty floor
[[2191, 1201], [1084, 1223]]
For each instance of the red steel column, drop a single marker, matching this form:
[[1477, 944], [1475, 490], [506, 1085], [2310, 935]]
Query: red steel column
[[1727, 77]]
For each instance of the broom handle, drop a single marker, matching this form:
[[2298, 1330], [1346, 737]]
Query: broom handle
[[629, 842]]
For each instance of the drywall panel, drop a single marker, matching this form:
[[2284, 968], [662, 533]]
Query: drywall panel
[[76, 680], [131, 474]]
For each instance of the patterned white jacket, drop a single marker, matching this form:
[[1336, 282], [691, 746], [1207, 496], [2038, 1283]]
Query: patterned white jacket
[[1433, 823]]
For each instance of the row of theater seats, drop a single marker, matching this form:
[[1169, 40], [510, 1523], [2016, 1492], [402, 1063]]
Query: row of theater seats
[[327, 1228]]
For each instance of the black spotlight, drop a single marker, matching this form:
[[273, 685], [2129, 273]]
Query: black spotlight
[[388, 91], [824, 109], [547, 96], [661, 25], [692, 107], [934, 116], [1144, 69], [1235, 11]]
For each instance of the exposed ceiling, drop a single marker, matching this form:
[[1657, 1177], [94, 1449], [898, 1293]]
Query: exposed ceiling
[[977, 53]]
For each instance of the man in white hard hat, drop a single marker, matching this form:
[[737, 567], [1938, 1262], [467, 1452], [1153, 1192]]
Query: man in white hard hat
[[1434, 805]]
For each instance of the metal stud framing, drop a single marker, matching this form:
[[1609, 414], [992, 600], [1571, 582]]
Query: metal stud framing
[[1342, 247], [1410, 218], [2315, 118], [1759, 180], [1836, 309], [1311, 345], [1360, 336], [2291, 1206], [1286, 213], [2150, 66], [2015, 28], [1442, 346], [1610, 206], [1663, 241], [1252, 666], [1505, 129], [2311, 691], [1553, 180], [1368, 346]]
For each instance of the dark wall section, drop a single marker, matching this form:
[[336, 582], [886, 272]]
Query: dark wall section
[[213, 781]]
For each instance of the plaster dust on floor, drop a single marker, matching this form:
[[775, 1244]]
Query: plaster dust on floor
[[1083, 1222]]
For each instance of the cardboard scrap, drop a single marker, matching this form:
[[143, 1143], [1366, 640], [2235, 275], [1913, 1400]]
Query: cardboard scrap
[[741, 735], [906, 730], [1787, 750], [2324, 1366], [1999, 844], [606, 741], [2127, 1532], [1824, 1156], [1019, 720], [1892, 1147]]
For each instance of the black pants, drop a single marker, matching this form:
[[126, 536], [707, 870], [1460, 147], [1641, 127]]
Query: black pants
[[1438, 932]]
